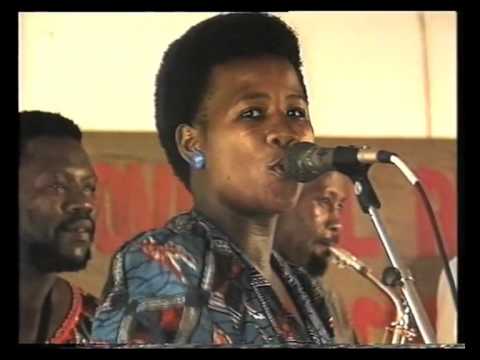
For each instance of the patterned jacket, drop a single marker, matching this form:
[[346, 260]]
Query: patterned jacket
[[188, 284]]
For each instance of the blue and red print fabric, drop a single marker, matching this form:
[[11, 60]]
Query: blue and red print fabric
[[187, 283]]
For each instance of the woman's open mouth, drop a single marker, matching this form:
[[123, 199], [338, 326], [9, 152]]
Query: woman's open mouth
[[277, 168]]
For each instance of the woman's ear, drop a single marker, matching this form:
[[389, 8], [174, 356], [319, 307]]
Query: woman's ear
[[187, 141]]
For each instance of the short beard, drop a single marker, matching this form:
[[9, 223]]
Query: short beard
[[46, 258], [318, 264]]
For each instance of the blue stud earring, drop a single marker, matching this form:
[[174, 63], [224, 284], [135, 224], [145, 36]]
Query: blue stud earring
[[198, 161]]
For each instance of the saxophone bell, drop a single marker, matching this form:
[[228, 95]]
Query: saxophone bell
[[399, 331]]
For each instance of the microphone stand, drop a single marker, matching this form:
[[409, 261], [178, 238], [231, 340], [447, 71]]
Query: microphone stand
[[369, 203]]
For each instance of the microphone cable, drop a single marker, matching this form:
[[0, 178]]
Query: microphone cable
[[412, 178]]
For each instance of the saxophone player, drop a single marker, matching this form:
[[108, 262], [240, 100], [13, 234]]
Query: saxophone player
[[305, 233]]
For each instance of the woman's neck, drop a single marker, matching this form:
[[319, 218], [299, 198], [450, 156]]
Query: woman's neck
[[253, 234]]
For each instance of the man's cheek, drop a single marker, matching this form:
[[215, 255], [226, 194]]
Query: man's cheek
[[319, 227]]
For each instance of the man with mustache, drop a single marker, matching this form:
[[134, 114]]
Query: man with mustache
[[56, 227], [305, 233]]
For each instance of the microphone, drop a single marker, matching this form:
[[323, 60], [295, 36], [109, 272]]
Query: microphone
[[306, 161]]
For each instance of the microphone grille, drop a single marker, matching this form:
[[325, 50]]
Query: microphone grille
[[297, 162]]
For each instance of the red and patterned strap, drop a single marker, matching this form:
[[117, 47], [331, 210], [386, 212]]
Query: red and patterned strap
[[66, 332]]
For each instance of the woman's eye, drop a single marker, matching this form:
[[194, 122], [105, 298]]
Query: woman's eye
[[251, 114], [297, 113]]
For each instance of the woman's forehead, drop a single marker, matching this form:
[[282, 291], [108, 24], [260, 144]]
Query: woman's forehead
[[246, 75]]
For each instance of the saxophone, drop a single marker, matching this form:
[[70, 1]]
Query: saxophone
[[399, 331]]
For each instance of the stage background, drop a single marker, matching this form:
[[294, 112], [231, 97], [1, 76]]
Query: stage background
[[387, 79], [138, 191]]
